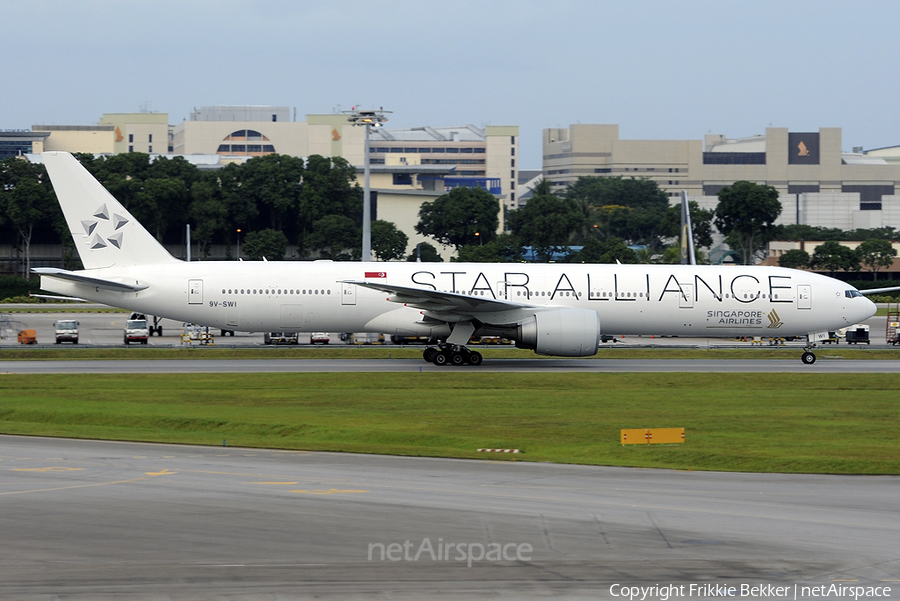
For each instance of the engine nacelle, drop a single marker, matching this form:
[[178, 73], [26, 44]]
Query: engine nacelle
[[563, 332]]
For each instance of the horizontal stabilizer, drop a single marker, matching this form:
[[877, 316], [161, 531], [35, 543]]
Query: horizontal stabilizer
[[59, 298], [71, 276]]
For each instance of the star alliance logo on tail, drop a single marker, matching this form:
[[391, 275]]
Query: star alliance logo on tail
[[117, 222], [774, 321]]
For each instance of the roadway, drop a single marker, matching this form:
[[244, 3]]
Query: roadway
[[105, 520]]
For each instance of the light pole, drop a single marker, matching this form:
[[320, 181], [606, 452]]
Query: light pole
[[238, 245], [369, 119]]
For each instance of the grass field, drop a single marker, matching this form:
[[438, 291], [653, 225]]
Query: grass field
[[820, 423]]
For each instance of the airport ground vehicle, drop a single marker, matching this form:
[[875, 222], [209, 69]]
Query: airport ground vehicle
[[27, 337], [66, 331], [365, 338], [281, 338], [319, 338], [857, 334], [136, 329]]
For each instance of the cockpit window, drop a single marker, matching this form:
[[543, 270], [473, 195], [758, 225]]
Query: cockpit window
[[852, 293]]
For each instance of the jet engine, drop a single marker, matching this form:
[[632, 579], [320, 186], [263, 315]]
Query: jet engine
[[563, 332]]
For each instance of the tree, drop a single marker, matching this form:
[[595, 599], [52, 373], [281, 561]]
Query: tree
[[794, 259], [269, 244], [334, 235], [272, 183], [426, 253], [329, 188], [633, 209], [456, 217], [547, 224], [875, 254], [209, 213], [505, 248], [609, 251], [745, 215], [388, 243], [26, 199], [701, 223], [833, 256]]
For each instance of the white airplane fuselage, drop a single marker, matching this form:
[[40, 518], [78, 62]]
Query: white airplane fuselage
[[676, 300]]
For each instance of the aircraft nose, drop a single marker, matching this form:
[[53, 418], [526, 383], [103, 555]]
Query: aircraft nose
[[867, 310]]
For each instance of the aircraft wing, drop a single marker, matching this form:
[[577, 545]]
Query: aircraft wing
[[441, 302], [71, 276], [880, 290]]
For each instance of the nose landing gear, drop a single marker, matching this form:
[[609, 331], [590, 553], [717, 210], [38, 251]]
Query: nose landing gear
[[451, 354]]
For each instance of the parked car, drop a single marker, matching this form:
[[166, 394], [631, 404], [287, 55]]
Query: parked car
[[319, 338]]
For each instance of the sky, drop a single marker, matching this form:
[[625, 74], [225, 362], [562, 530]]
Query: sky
[[660, 69]]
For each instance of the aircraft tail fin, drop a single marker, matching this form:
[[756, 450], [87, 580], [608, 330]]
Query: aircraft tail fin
[[105, 233], [687, 233]]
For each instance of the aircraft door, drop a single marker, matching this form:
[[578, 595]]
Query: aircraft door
[[501, 290], [804, 296], [686, 298], [195, 292], [348, 293]]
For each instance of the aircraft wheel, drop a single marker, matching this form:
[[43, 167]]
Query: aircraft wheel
[[440, 358], [429, 353], [457, 358], [475, 358], [808, 358]]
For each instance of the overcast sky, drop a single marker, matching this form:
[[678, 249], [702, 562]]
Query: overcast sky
[[659, 69]]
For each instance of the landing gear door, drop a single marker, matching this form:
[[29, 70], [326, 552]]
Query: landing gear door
[[195, 292]]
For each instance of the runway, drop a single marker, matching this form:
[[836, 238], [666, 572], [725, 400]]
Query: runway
[[824, 365], [106, 520]]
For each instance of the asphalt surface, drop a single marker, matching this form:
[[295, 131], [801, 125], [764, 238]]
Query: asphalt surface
[[104, 520]]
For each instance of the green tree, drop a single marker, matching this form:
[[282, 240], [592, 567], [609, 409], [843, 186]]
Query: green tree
[[209, 213], [455, 218], [269, 244], [608, 251], [802, 232], [833, 256], [547, 223], [505, 248], [875, 254], [633, 209], [26, 198], [336, 237], [745, 215], [794, 259], [329, 188], [701, 224], [426, 253], [388, 243], [272, 183]]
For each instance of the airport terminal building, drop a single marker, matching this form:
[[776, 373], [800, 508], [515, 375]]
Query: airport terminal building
[[818, 183]]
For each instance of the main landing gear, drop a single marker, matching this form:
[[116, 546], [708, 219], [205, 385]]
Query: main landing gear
[[451, 354]]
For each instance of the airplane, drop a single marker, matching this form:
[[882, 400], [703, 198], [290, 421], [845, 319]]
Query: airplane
[[552, 309]]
